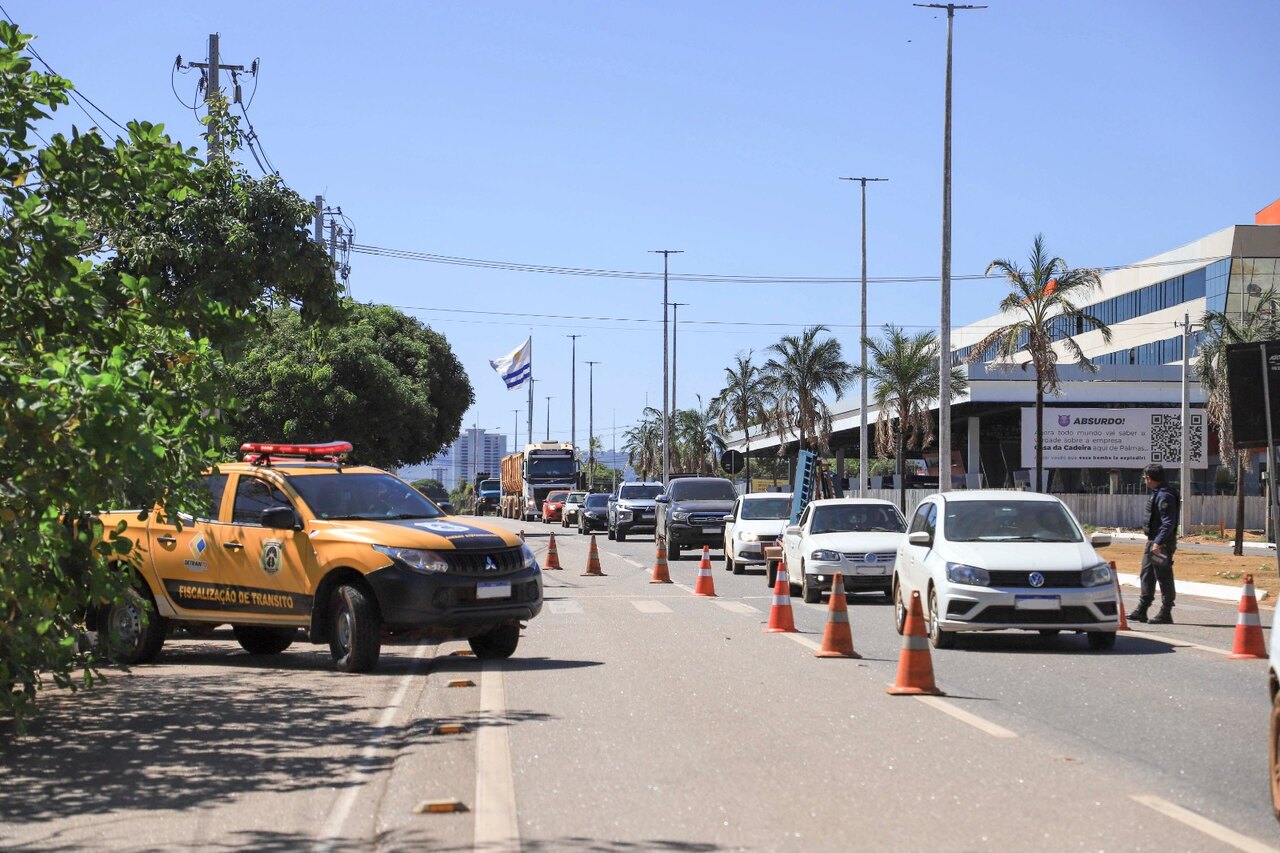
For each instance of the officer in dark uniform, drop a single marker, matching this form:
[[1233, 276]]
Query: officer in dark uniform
[[1162, 541]]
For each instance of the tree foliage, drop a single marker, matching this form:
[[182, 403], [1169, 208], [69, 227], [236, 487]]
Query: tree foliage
[[802, 368], [383, 381]]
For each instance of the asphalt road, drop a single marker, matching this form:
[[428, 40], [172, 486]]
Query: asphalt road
[[637, 716]]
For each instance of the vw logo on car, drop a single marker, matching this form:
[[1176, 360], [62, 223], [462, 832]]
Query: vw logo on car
[[1035, 579]]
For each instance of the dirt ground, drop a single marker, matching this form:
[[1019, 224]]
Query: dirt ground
[[1206, 567]]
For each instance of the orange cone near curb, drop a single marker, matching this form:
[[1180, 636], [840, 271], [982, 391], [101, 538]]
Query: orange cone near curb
[[553, 555], [837, 637], [1124, 620], [781, 617], [915, 667], [1248, 640], [593, 561], [660, 573], [705, 585]]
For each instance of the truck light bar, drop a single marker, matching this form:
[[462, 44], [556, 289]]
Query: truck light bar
[[260, 453]]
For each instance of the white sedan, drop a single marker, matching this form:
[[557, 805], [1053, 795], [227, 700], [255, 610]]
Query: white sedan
[[756, 521], [857, 537]]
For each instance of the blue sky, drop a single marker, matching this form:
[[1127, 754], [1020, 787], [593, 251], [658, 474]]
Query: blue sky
[[584, 134]]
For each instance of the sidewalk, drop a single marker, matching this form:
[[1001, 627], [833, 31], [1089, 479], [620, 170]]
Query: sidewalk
[[1254, 547], [1203, 590]]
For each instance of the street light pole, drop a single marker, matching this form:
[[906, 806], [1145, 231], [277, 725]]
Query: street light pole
[[591, 424], [549, 399], [666, 415], [515, 431], [863, 462], [675, 337], [573, 393], [944, 329]]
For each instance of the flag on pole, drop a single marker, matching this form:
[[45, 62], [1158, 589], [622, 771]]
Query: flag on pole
[[516, 367]]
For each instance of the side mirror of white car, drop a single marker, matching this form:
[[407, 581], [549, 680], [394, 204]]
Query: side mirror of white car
[[923, 538], [727, 519], [793, 530], [1100, 540]]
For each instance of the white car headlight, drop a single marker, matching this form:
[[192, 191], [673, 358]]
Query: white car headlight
[[749, 537], [1096, 575], [418, 560], [822, 555], [960, 573], [679, 516]]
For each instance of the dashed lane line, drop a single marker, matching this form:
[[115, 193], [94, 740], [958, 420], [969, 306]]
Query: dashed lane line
[[736, 607], [938, 703], [1202, 824], [496, 827], [1176, 643], [651, 606], [563, 607]]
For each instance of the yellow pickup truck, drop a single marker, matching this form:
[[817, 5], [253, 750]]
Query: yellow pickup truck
[[292, 538]]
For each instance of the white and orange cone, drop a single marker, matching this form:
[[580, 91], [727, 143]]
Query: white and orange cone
[[593, 561], [781, 617], [837, 637], [915, 666], [705, 584], [553, 555], [1248, 641], [660, 572]]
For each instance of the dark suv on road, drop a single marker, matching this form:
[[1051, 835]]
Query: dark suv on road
[[691, 513]]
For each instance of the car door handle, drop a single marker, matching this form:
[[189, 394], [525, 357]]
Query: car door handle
[[232, 545], [167, 540]]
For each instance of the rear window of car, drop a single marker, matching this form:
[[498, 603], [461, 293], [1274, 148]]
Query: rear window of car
[[702, 490], [576, 497], [1009, 521], [597, 500], [640, 492], [766, 509]]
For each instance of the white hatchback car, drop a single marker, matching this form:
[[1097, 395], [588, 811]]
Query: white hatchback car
[[1273, 742], [992, 560], [857, 537], [756, 520]]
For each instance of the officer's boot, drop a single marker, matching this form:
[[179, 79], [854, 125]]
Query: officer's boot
[[1139, 613], [1164, 616]]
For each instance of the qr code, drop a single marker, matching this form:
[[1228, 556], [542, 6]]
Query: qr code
[[1166, 438]]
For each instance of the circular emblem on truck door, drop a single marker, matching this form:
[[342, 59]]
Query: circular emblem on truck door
[[271, 555], [1035, 579]]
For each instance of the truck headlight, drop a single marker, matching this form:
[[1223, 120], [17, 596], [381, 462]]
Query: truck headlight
[[418, 560], [960, 573], [1096, 575], [822, 555], [679, 516], [527, 560]]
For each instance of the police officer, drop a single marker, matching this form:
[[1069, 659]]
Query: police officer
[[1162, 540]]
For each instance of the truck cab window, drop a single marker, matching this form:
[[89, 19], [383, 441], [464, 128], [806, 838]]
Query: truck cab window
[[252, 497]]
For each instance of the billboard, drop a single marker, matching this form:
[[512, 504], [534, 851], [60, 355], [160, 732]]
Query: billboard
[[1114, 438]]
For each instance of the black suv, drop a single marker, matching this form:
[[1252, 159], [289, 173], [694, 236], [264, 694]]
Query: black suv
[[691, 512]]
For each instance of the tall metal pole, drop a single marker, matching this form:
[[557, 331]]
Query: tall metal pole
[[573, 393], [944, 333], [675, 361], [666, 387], [529, 430], [1272, 494], [1184, 468], [549, 399], [515, 430], [591, 424], [863, 461], [211, 92]]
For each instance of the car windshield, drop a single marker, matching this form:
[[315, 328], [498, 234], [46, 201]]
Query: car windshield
[[490, 485], [766, 509], [855, 518], [702, 490], [541, 467], [640, 492], [597, 500], [372, 497], [1009, 521], [557, 497], [575, 497]]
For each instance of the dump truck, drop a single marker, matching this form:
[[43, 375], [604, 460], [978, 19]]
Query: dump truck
[[528, 476]]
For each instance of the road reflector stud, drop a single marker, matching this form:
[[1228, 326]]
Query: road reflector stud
[[461, 682], [439, 807]]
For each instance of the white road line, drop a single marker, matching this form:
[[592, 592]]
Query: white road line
[[1176, 643], [496, 824], [1200, 823], [634, 563], [685, 587], [562, 607], [965, 717], [651, 606], [359, 774], [804, 641], [737, 607]]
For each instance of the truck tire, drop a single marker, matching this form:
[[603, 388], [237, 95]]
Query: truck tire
[[498, 642], [264, 639], [673, 551], [354, 632], [620, 535], [131, 630]]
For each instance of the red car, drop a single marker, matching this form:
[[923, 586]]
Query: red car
[[553, 506]]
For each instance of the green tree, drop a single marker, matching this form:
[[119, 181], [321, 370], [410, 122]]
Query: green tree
[[904, 372], [697, 445], [643, 444], [742, 403], [1044, 302], [1221, 331], [801, 369], [383, 381]]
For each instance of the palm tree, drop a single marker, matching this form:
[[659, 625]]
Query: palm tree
[[801, 369], [1221, 331], [698, 442], [904, 370], [742, 403], [643, 444], [1043, 301]]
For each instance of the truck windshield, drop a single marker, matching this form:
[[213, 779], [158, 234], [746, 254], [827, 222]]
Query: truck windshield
[[703, 490], [490, 485], [371, 497], [640, 493], [554, 467]]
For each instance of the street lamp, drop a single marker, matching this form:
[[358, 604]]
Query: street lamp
[[675, 334], [549, 399], [666, 416], [591, 424], [573, 392]]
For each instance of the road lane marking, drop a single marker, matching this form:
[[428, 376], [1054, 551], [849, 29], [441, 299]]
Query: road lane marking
[[359, 774], [964, 716], [496, 824], [804, 641], [562, 607], [1202, 824], [1176, 643], [634, 563], [649, 606], [736, 607]]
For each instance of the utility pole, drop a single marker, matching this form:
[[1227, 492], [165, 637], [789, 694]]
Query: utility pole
[[863, 462], [944, 332], [320, 219], [573, 392], [613, 451], [666, 412], [591, 423], [549, 399], [1184, 468], [515, 430], [675, 334], [213, 88]]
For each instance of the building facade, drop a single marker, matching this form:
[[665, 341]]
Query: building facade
[[475, 451]]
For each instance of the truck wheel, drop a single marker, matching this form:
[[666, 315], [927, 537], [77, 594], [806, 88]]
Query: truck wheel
[[263, 640], [620, 535], [132, 631], [499, 642], [673, 551], [611, 533], [354, 637]]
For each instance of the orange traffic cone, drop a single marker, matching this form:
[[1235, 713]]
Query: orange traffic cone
[[1248, 641], [705, 585], [837, 638], [553, 555], [915, 667], [593, 561], [660, 573], [1124, 620], [781, 618]]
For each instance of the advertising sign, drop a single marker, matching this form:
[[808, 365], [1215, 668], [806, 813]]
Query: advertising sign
[[1114, 438]]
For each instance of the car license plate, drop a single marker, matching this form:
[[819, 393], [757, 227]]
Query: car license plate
[[711, 530], [1036, 602], [881, 569], [496, 589]]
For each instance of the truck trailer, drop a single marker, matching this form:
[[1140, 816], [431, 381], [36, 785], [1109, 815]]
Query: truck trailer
[[528, 476]]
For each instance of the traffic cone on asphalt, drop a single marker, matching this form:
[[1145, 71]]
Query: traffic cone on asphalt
[[1124, 620], [660, 573], [781, 618], [705, 584], [1248, 641], [553, 555], [837, 638], [915, 667], [593, 561]]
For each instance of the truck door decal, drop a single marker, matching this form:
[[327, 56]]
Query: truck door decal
[[197, 595]]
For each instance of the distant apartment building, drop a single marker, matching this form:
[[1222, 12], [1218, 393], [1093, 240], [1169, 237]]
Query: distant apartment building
[[475, 451]]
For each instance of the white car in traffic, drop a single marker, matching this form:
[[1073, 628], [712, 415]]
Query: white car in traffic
[[756, 521], [858, 537], [991, 560]]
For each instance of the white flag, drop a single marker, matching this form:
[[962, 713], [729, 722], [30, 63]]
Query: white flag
[[516, 367]]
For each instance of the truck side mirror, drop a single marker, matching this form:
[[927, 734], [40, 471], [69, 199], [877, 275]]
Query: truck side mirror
[[280, 518], [662, 499]]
